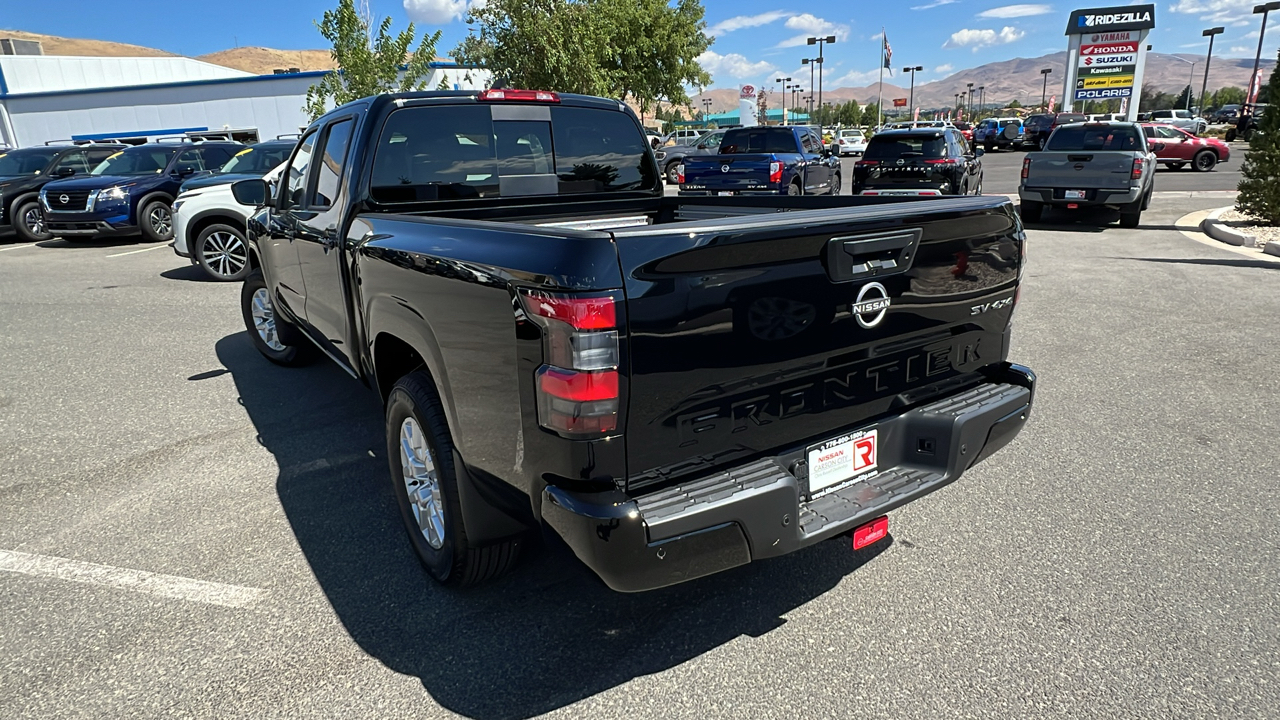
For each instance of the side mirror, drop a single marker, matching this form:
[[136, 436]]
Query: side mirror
[[185, 171], [979, 153], [65, 172], [252, 192]]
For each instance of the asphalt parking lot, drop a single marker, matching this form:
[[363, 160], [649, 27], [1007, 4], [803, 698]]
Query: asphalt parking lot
[[188, 530]]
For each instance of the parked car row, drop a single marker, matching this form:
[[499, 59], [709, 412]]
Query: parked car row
[[104, 189]]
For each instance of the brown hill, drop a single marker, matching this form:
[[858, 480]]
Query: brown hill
[[54, 45], [261, 61]]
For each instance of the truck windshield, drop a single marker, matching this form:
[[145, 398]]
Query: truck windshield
[[892, 147], [141, 160], [459, 152], [26, 161], [758, 140], [1074, 138]]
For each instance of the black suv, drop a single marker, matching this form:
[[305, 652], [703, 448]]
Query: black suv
[[131, 191], [1037, 128], [25, 171], [919, 161]]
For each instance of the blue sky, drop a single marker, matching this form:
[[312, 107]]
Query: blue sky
[[756, 40]]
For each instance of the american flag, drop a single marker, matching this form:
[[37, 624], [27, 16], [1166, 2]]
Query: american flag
[[888, 53]]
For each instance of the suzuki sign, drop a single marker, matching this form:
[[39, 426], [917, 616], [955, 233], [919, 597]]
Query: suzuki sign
[[1107, 51]]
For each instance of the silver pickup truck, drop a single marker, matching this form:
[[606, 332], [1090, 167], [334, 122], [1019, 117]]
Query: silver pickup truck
[[1089, 165]]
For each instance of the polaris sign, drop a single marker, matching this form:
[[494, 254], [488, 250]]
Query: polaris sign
[[1112, 19]]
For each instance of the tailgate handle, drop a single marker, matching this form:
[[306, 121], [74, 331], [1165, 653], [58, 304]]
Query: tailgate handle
[[855, 257], [1079, 158]]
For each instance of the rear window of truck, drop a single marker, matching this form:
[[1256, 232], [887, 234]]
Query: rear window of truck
[[459, 151], [763, 140], [892, 147], [1074, 138]]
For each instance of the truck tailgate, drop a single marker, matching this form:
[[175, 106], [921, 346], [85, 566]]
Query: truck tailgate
[[750, 335], [728, 172], [1080, 170]]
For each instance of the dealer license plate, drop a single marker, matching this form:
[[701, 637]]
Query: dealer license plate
[[725, 192], [840, 459], [1074, 194]]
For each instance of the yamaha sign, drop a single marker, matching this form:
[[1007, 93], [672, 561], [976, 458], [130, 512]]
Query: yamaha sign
[[1106, 50]]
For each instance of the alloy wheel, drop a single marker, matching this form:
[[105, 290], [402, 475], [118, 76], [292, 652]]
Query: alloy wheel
[[160, 219], [264, 320], [33, 219], [422, 483], [224, 253]]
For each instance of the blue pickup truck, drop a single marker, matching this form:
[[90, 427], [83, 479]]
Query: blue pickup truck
[[764, 161]]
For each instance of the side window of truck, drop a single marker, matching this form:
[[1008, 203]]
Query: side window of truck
[[332, 160], [296, 186]]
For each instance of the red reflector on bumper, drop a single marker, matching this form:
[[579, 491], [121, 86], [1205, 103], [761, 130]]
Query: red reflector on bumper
[[872, 532], [1072, 206]]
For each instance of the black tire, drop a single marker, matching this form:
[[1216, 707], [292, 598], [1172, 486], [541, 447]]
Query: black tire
[[1204, 161], [988, 145], [671, 173], [294, 349], [1176, 166], [1031, 211], [156, 220], [223, 252], [795, 189], [835, 184], [1230, 135], [29, 221], [455, 562], [1131, 215]]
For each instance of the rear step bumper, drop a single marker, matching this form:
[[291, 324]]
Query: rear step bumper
[[756, 511]]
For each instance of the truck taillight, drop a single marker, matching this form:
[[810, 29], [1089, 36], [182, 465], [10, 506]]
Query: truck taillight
[[1137, 168], [866, 163], [680, 174], [1026, 167], [577, 386], [775, 172]]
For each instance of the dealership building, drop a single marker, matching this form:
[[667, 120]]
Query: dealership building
[[47, 98]]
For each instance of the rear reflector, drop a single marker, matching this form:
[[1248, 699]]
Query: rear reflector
[[1072, 206], [525, 95], [871, 533]]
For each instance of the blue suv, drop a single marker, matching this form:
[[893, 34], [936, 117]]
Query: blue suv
[[130, 191]]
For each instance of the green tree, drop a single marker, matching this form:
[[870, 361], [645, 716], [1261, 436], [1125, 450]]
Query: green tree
[[368, 63], [1260, 187], [1184, 98], [638, 50], [870, 114], [1014, 104], [1228, 96]]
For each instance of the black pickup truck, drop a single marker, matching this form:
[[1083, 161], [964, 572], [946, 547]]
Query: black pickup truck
[[673, 386]]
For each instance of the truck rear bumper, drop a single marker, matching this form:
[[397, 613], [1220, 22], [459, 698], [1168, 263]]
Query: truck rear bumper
[[759, 510], [1097, 197]]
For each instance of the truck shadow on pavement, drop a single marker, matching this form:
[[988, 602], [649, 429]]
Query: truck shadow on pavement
[[546, 636]]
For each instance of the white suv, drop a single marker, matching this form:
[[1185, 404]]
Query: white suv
[[209, 229], [1180, 118]]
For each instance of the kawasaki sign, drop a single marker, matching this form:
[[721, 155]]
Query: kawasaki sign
[[1097, 20]]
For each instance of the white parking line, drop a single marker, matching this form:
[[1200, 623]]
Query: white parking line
[[16, 247], [135, 252], [170, 586]]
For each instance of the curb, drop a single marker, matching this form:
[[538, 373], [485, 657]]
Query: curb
[[1272, 248], [1220, 231]]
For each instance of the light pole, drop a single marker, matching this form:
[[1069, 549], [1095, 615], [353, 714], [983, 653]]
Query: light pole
[[1263, 10], [982, 98], [968, 98], [786, 86], [812, 62], [1208, 57], [819, 41], [911, 103], [1190, 92], [706, 109], [1044, 88], [957, 111]]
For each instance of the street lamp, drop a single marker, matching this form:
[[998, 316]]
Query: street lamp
[[811, 62], [982, 98], [820, 41], [1208, 57], [1193, 78], [911, 104], [1044, 89], [968, 98], [1262, 10], [786, 87]]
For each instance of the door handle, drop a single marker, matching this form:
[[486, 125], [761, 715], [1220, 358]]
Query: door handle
[[857, 257], [329, 240]]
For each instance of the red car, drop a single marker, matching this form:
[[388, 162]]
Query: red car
[[965, 129], [1183, 148]]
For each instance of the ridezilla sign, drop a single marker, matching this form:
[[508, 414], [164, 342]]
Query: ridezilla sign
[[1106, 53]]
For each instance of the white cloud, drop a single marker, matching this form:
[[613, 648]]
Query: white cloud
[[437, 12], [934, 4], [978, 39], [734, 65], [944, 69], [746, 21], [811, 26], [1015, 11], [1215, 10], [854, 78]]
